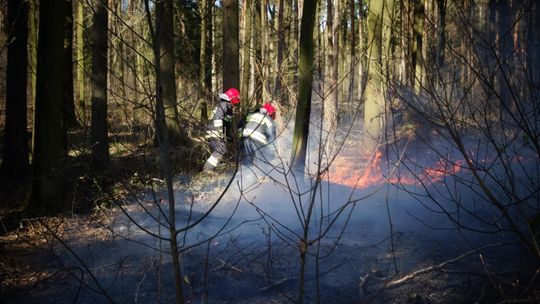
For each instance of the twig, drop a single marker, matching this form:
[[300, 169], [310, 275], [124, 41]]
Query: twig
[[436, 267], [273, 285], [225, 264], [72, 252]]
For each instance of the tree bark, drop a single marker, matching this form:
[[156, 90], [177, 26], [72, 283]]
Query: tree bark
[[280, 86], [32, 52], [373, 95], [204, 72], [441, 40], [99, 128], [418, 32], [165, 90], [80, 63], [293, 45], [330, 105], [305, 74], [353, 49], [49, 130], [504, 53], [165, 32], [15, 163], [69, 101], [246, 56], [231, 65], [259, 49]]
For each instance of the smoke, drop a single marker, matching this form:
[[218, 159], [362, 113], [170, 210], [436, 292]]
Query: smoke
[[245, 227]]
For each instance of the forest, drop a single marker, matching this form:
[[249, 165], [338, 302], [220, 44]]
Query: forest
[[405, 166]]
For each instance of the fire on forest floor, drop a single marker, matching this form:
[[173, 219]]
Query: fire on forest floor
[[243, 266]]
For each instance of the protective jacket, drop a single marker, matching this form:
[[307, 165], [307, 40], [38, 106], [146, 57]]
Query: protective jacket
[[220, 122], [259, 131], [259, 127], [218, 126]]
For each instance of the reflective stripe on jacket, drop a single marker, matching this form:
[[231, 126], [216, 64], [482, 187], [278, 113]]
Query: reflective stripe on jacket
[[259, 127], [221, 119]]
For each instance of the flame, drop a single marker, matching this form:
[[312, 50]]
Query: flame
[[441, 170], [363, 172], [347, 171]]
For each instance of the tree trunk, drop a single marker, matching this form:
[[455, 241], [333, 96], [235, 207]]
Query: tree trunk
[[293, 45], [504, 52], [259, 49], [246, 56], [303, 103], [374, 90], [32, 54], [165, 32], [99, 129], [533, 45], [210, 54], [135, 59], [418, 32], [80, 63], [353, 50], [204, 72], [280, 87], [231, 65], [441, 40], [387, 34], [330, 105], [165, 90], [362, 46], [301, 125], [49, 131], [266, 48], [15, 162], [407, 60], [69, 101]]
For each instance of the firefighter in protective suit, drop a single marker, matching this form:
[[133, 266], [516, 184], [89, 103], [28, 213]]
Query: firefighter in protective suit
[[218, 127], [259, 130]]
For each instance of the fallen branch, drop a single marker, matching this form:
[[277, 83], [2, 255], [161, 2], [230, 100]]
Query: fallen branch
[[274, 284], [225, 264], [412, 275]]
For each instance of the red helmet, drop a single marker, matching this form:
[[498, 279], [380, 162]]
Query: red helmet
[[231, 95], [270, 110]]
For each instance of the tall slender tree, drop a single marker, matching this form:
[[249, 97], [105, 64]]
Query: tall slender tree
[[163, 48], [373, 94], [353, 47], [259, 42], [418, 44], [441, 30], [231, 49], [305, 74], [246, 55], [49, 148], [80, 103], [505, 49], [205, 78], [331, 103], [99, 129], [301, 124], [69, 101], [165, 40], [15, 161], [281, 80], [33, 35]]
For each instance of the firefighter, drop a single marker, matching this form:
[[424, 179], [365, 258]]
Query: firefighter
[[218, 127], [259, 130]]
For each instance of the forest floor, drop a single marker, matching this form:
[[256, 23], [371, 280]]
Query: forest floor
[[78, 258], [96, 249]]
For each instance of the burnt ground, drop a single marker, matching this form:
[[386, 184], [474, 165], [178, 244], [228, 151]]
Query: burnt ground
[[106, 256]]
